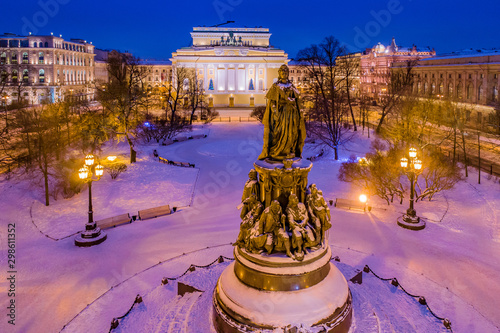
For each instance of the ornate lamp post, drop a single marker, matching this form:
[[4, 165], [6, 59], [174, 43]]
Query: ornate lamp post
[[92, 235], [410, 220]]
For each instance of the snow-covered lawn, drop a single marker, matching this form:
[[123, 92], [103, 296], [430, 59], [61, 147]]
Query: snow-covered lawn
[[454, 262]]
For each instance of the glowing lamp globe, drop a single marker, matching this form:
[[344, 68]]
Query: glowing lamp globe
[[404, 162], [89, 160], [363, 198], [83, 173], [413, 152], [99, 170], [417, 164]]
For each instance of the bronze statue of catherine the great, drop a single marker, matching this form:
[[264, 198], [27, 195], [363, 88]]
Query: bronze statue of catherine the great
[[284, 127]]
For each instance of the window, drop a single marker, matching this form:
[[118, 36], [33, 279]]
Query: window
[[433, 88], [14, 59], [469, 91], [450, 89], [46, 44], [459, 91], [495, 93], [41, 58], [482, 76], [261, 71], [480, 93], [495, 76], [419, 87], [3, 76], [441, 88], [41, 76], [426, 87], [470, 76], [441, 76], [459, 76], [425, 76], [449, 76], [13, 43], [25, 58], [25, 76], [432, 75], [25, 43], [14, 76], [261, 84], [3, 58]]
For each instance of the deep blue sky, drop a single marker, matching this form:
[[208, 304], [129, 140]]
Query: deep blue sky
[[154, 29]]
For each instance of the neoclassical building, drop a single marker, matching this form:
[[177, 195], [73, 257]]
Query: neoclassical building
[[376, 63], [46, 68], [471, 76], [236, 66]]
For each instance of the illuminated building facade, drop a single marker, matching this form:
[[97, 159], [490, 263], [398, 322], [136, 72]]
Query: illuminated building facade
[[45, 68], [236, 66], [376, 63]]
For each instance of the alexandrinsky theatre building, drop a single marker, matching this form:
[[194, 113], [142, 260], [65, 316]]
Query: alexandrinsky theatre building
[[235, 65]]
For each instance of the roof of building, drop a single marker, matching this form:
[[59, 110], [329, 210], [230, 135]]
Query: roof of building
[[468, 53]]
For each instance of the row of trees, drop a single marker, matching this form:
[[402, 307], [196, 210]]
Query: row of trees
[[405, 120], [46, 142]]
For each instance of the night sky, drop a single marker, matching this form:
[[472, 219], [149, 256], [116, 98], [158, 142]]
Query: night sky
[[154, 29]]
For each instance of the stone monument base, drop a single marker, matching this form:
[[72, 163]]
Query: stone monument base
[[266, 292]]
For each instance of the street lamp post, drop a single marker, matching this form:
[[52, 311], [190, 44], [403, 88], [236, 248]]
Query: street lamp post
[[92, 235], [410, 220]]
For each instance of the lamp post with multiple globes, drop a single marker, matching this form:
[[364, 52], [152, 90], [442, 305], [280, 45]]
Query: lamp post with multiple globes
[[410, 220], [92, 235]]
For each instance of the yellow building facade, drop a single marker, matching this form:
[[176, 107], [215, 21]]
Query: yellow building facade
[[235, 66]]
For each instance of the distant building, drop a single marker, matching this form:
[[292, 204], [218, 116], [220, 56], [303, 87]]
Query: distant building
[[376, 63], [46, 68], [471, 76], [235, 65]]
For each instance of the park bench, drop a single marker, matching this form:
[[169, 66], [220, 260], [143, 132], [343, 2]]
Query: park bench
[[154, 212], [163, 160], [187, 165], [114, 221], [199, 136], [180, 139], [351, 204], [167, 142]]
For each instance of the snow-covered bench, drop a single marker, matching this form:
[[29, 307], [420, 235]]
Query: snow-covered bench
[[351, 204], [180, 139], [199, 136], [114, 221], [154, 212]]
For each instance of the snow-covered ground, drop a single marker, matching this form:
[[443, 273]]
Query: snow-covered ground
[[454, 262]]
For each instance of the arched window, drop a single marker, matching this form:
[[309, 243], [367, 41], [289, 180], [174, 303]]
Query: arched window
[[14, 59], [41, 58], [441, 88], [426, 88], [459, 91], [25, 58], [35, 44], [450, 89], [495, 93], [46, 44], [3, 77], [261, 84], [14, 76], [480, 93], [433, 88], [41, 76], [25, 76], [3, 58], [419, 87], [469, 91]]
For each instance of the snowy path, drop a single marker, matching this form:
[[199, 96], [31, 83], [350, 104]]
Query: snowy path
[[455, 263]]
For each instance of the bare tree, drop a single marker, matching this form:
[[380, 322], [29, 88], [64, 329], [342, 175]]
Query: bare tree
[[176, 92], [349, 70], [123, 95], [324, 91], [195, 94], [399, 84]]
